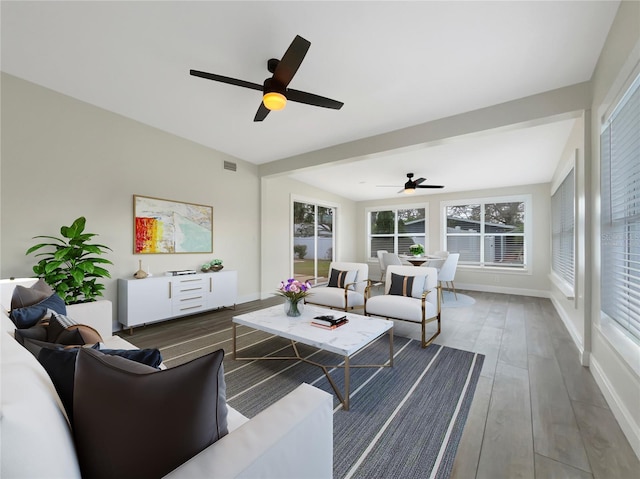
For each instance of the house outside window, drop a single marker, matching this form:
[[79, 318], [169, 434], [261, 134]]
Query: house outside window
[[620, 213], [396, 229], [491, 232]]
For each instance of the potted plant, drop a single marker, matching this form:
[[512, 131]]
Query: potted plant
[[416, 249], [213, 265], [71, 266]]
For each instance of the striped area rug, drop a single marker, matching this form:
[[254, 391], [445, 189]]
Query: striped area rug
[[403, 422]]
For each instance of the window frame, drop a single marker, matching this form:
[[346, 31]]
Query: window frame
[[559, 280], [615, 328], [527, 235], [334, 240], [371, 255]]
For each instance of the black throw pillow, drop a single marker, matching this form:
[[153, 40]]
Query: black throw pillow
[[338, 279], [401, 285], [162, 417], [60, 363], [37, 332]]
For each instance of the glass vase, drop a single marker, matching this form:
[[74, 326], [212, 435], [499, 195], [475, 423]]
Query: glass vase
[[293, 308]]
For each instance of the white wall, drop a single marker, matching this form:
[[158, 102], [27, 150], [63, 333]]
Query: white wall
[[62, 158], [277, 194], [534, 282], [615, 359]]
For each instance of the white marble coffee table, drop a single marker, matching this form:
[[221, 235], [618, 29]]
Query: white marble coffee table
[[345, 340]]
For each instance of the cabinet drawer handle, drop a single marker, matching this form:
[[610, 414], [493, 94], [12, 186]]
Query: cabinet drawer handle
[[190, 289], [191, 307], [191, 298], [170, 290]]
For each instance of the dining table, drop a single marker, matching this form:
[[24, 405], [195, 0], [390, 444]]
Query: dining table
[[419, 260]]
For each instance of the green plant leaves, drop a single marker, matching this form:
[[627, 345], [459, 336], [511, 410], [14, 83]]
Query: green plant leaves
[[69, 267]]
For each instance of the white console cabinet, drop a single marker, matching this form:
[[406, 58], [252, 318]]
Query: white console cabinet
[[144, 301]]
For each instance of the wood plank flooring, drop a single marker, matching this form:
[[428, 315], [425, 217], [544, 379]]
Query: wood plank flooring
[[537, 413]]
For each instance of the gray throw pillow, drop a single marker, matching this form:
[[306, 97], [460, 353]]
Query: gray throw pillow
[[163, 418], [23, 296]]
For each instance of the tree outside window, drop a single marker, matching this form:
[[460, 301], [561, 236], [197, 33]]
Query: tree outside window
[[395, 230]]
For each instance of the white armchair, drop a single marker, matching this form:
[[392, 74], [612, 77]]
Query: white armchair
[[350, 291], [411, 293]]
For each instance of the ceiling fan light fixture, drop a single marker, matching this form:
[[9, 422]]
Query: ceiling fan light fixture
[[274, 100], [410, 190]]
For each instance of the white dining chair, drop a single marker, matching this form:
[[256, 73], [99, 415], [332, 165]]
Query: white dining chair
[[448, 272], [390, 259], [383, 268]]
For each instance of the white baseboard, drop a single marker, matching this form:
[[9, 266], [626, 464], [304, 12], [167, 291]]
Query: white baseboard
[[501, 289], [575, 336], [246, 298], [620, 412]]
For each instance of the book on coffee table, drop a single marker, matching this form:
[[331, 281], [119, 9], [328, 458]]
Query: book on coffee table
[[329, 322]]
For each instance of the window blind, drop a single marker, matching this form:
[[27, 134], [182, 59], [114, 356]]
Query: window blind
[[620, 213], [562, 229]]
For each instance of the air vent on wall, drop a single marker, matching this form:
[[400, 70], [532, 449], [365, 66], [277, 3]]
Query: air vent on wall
[[230, 165]]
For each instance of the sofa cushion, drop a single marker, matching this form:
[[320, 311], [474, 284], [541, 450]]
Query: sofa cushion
[[338, 278], [60, 363], [39, 332], [36, 439], [30, 315], [179, 411], [23, 296], [407, 285]]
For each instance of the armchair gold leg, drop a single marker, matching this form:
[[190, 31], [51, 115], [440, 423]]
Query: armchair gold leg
[[435, 335]]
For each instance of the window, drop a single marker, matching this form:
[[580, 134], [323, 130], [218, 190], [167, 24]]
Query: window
[[620, 212], [562, 231], [488, 233], [395, 230], [313, 241]]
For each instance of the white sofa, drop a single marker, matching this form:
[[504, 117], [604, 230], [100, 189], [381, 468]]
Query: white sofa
[[36, 440]]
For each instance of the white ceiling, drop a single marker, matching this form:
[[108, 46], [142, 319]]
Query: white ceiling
[[394, 64]]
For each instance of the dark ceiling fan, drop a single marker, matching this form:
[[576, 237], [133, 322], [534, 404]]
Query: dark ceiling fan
[[274, 89], [411, 185]]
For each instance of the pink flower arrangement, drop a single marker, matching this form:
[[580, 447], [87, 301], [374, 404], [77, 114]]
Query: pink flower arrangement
[[293, 289]]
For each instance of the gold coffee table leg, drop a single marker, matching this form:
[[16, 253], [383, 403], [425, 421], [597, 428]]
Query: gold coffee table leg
[[345, 403], [234, 341]]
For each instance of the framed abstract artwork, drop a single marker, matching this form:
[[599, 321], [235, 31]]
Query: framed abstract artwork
[[166, 226]]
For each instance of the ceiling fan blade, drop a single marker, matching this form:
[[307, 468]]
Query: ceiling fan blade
[[291, 60], [420, 180], [311, 99], [262, 112], [429, 186], [223, 79]]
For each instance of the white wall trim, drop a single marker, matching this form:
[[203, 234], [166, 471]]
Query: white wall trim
[[620, 412], [246, 298], [501, 289], [575, 336]]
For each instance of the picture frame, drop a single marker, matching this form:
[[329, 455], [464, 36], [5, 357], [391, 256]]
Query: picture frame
[[169, 226]]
